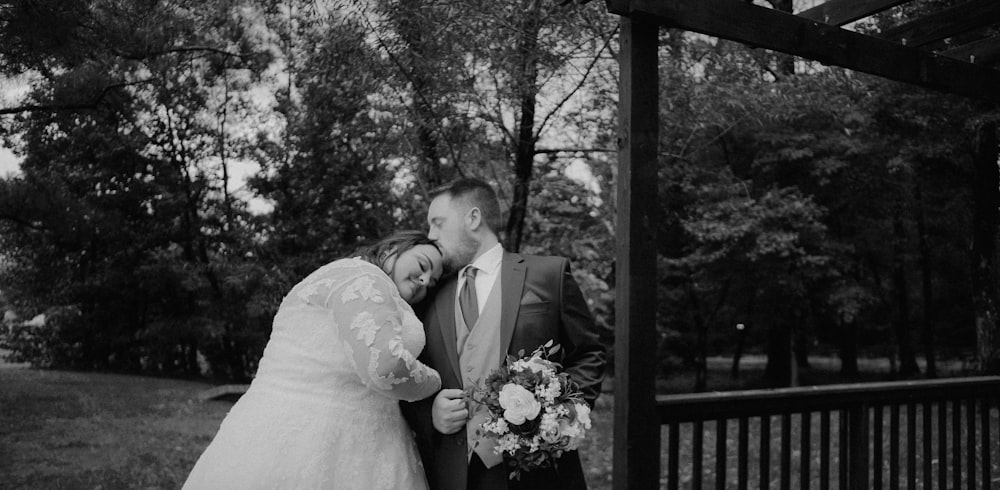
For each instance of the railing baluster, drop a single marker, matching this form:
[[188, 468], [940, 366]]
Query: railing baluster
[[911, 446], [844, 429], [824, 450], [877, 459], [928, 443], [786, 451], [805, 453], [858, 433], [743, 454], [984, 421], [861, 447], [721, 434], [970, 438], [942, 416], [956, 444], [765, 452], [894, 446], [697, 453], [673, 452]]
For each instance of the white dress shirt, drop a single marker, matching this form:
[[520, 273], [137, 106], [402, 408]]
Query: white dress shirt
[[486, 277]]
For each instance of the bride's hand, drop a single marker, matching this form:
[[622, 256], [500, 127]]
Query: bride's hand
[[449, 412]]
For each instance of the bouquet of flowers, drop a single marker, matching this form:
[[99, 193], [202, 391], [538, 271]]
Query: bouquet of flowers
[[535, 412]]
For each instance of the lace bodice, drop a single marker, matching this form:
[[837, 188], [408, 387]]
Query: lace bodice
[[323, 407], [348, 318]]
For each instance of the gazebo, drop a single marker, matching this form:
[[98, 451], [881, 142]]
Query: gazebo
[[956, 50]]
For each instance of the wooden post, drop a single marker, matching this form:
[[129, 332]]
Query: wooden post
[[637, 426], [985, 225]]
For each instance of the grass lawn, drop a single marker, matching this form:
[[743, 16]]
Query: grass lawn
[[69, 430], [66, 430]]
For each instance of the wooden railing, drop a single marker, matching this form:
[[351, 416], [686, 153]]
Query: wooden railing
[[942, 432]]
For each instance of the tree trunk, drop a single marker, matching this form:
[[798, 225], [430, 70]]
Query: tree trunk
[[701, 343], [786, 62], [524, 146], [801, 345], [984, 267], [782, 368], [849, 350], [741, 338], [778, 371], [927, 325], [801, 349], [907, 357], [426, 122]]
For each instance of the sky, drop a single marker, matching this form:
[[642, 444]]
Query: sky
[[8, 162], [12, 89]]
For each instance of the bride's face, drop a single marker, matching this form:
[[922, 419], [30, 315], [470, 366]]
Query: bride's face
[[416, 270]]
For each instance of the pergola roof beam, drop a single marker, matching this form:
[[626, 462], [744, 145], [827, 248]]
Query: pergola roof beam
[[982, 52], [949, 22], [787, 33], [841, 12]]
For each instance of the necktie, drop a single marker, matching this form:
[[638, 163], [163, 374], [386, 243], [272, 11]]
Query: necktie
[[467, 298]]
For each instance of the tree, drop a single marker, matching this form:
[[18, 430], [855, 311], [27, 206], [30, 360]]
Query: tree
[[330, 188], [128, 122]]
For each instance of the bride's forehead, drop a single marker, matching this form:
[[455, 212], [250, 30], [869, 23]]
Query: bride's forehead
[[427, 251]]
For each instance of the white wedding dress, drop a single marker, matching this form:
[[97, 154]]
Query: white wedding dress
[[322, 411]]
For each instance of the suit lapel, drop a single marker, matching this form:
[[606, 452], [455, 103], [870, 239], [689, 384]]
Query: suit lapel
[[511, 285], [445, 310]]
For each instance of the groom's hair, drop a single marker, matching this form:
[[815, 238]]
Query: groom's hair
[[475, 193]]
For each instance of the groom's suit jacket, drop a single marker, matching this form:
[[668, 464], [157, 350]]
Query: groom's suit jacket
[[540, 301]]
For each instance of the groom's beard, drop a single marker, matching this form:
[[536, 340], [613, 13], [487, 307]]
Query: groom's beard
[[468, 245]]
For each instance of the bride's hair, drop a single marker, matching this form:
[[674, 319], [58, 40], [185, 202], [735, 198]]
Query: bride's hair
[[397, 243]]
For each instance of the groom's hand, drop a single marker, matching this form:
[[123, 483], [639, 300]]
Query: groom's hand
[[448, 412]]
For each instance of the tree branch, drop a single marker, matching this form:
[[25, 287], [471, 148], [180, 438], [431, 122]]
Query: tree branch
[[180, 49], [410, 77], [21, 222], [552, 151], [579, 85], [92, 104]]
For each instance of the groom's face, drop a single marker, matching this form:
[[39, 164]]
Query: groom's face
[[449, 227]]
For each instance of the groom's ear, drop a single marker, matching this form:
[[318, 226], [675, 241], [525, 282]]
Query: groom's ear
[[474, 218]]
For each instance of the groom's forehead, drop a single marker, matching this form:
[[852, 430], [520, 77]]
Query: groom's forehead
[[443, 205]]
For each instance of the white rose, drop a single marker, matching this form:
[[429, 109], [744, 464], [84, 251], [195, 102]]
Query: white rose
[[518, 403], [538, 365], [583, 414]]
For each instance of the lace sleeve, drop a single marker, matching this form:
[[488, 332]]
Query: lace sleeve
[[369, 321]]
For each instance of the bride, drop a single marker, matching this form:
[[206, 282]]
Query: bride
[[322, 411]]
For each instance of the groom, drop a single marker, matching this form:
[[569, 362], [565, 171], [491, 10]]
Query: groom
[[499, 303]]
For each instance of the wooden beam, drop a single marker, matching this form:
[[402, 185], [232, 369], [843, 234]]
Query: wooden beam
[[840, 12], [767, 28], [619, 7], [637, 426], [982, 52], [946, 23]]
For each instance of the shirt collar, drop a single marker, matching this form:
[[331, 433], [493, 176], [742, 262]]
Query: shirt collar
[[489, 261]]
